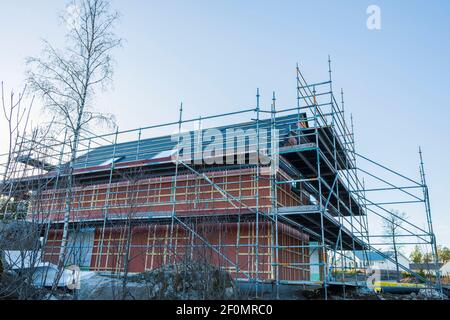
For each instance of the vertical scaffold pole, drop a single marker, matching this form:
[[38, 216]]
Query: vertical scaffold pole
[[335, 159], [434, 248], [138, 148], [321, 207], [334, 124], [258, 97], [273, 172], [298, 100], [88, 153], [106, 208], [352, 217], [344, 255], [55, 197], [174, 182]]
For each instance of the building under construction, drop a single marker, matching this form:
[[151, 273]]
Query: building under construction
[[270, 195]]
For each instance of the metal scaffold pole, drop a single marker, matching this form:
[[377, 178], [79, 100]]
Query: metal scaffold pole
[[335, 160], [273, 172], [258, 173], [175, 183], [434, 248], [106, 204], [323, 253]]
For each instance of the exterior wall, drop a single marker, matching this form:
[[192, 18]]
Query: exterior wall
[[154, 195], [145, 196], [285, 196], [293, 255], [152, 246]]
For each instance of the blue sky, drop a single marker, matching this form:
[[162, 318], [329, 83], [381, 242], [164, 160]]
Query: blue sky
[[212, 55]]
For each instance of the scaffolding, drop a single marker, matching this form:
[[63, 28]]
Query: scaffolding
[[301, 217]]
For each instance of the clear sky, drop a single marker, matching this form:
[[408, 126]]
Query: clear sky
[[212, 55]]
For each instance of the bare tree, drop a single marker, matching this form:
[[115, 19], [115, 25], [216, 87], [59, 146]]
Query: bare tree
[[68, 79], [16, 117], [392, 229], [26, 155]]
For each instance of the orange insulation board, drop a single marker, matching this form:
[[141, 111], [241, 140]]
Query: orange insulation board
[[194, 195]]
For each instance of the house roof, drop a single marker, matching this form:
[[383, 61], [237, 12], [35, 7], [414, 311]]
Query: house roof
[[161, 147]]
